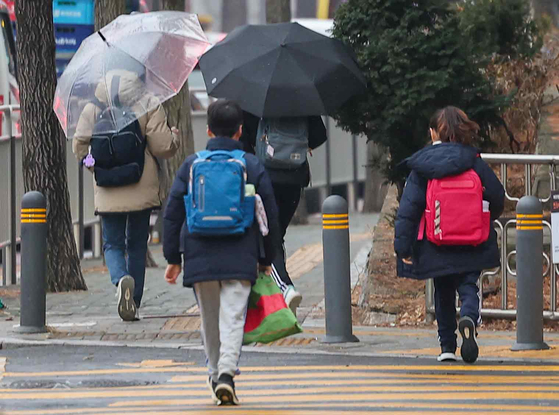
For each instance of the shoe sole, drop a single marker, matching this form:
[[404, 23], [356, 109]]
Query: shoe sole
[[447, 357], [469, 350], [214, 396], [126, 305], [226, 395], [295, 303]]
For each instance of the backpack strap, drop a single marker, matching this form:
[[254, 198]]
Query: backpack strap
[[95, 101], [421, 231], [239, 155], [203, 155], [115, 85]]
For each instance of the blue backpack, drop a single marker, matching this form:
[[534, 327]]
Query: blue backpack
[[216, 204]]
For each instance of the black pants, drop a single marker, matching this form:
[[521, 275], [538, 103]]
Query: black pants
[[445, 304], [287, 199]]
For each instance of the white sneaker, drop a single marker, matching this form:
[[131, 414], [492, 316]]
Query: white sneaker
[[293, 298], [447, 357], [126, 306], [137, 317]]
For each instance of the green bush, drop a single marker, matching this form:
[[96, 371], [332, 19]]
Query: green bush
[[416, 59], [499, 27]]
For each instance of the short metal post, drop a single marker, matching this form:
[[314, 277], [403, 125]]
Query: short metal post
[[529, 271], [33, 263], [337, 280]]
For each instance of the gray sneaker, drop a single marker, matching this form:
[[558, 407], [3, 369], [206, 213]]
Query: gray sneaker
[[126, 306]]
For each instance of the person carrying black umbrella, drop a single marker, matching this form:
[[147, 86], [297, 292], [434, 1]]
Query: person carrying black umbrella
[[282, 144], [284, 76]]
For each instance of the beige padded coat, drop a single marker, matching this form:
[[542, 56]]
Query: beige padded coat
[[161, 143]]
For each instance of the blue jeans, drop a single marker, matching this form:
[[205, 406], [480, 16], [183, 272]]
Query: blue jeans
[[125, 244], [445, 301]]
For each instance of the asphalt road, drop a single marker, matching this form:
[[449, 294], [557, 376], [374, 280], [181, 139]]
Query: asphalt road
[[121, 380]]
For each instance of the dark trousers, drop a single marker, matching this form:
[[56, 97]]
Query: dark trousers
[[287, 199], [445, 304]]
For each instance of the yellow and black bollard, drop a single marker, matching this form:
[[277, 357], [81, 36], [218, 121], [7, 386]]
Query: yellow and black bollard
[[33, 263], [337, 279], [529, 274]]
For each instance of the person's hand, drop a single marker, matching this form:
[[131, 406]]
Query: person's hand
[[407, 261], [172, 273], [175, 130], [266, 269]]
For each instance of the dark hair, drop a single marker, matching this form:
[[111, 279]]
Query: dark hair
[[224, 118], [453, 126]]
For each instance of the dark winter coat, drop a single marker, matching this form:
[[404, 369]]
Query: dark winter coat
[[430, 260], [224, 258], [300, 176]]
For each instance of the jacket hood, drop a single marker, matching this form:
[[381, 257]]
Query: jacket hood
[[440, 160], [131, 90]]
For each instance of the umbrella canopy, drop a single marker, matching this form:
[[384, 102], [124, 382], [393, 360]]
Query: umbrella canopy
[[150, 55], [282, 70]]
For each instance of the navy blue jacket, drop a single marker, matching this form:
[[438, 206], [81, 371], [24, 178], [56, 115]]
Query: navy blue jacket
[[430, 260], [224, 258]]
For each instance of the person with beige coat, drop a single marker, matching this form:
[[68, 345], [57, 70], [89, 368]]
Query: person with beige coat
[[125, 210]]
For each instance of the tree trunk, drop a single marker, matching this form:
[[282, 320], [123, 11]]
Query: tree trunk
[[234, 13], [44, 147], [375, 184], [108, 10], [278, 11], [179, 115]]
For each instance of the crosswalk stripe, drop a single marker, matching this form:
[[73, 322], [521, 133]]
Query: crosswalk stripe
[[207, 409], [382, 389], [243, 410], [364, 379], [339, 393], [439, 368], [347, 399], [535, 384]]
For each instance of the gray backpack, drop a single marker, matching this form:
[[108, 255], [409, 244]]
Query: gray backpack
[[282, 143]]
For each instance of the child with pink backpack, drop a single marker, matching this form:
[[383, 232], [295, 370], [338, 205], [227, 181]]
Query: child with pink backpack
[[444, 226]]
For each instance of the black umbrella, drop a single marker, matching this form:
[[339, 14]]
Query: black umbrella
[[282, 70]]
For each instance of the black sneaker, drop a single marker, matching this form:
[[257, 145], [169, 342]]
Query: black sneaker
[[212, 385], [447, 355], [225, 391], [469, 349]]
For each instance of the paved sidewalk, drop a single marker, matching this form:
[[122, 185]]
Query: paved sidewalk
[[171, 319]]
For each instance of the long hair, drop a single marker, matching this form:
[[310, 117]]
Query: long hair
[[453, 126]]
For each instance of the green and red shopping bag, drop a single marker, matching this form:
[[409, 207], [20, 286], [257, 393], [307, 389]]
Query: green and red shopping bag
[[268, 317]]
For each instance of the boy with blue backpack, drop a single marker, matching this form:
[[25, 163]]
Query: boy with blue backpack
[[211, 211]]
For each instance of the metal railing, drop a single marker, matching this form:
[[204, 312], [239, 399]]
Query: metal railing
[[502, 227], [9, 261], [8, 248]]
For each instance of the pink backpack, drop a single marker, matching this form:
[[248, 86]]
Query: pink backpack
[[454, 211]]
